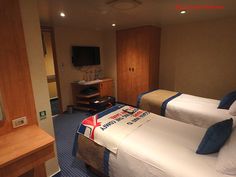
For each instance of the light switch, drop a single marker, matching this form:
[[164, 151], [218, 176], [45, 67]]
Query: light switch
[[42, 115]]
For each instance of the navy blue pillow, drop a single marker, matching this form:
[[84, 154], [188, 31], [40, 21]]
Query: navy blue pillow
[[215, 137], [227, 100]]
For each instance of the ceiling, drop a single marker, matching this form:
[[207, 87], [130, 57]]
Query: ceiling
[[96, 14]]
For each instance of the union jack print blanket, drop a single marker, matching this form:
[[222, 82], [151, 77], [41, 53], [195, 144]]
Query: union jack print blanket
[[110, 127]]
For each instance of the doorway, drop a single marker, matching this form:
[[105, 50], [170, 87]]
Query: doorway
[[51, 70]]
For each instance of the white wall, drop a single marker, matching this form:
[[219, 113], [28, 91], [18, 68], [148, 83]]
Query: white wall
[[32, 33], [109, 46], [196, 58], [65, 38], [199, 58]]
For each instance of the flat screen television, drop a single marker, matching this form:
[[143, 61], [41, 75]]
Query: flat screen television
[[85, 56]]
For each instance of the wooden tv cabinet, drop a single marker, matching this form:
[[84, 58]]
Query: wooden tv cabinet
[[82, 101]]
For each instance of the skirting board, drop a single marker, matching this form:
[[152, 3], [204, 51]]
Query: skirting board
[[56, 173]]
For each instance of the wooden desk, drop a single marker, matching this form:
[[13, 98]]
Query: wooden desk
[[24, 151]]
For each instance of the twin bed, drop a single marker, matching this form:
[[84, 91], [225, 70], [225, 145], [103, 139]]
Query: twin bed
[[155, 146], [190, 109], [124, 141]]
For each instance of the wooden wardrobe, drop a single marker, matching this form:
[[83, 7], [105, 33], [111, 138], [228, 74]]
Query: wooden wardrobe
[[138, 51]]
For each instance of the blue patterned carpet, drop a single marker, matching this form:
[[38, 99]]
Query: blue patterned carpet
[[65, 126]]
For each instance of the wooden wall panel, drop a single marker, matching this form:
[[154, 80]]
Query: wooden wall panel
[[124, 55], [15, 81]]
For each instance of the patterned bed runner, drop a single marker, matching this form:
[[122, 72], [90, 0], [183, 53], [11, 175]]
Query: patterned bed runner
[[155, 101], [105, 128]]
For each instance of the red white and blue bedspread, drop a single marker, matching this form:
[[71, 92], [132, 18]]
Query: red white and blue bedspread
[[110, 127]]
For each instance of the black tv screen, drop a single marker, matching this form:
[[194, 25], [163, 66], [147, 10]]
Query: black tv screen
[[85, 56]]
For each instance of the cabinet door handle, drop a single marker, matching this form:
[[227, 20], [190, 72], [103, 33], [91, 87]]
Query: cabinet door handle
[[132, 69]]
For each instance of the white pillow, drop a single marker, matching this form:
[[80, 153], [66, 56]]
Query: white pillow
[[232, 109], [226, 162]]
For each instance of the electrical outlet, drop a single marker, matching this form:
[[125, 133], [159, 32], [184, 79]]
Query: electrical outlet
[[19, 122]]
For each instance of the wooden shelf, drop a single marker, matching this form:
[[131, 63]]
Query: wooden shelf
[[83, 102], [88, 96]]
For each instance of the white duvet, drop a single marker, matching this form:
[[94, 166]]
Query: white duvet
[[196, 110], [163, 148]]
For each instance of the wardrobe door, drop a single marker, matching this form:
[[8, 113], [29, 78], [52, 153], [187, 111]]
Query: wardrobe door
[[124, 78], [140, 68], [137, 62]]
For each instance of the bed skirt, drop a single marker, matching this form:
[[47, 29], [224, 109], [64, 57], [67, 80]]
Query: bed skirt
[[94, 155]]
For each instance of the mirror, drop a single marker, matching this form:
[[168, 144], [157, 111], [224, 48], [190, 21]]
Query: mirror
[[1, 110]]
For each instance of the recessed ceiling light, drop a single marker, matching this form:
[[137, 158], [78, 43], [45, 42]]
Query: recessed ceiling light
[[113, 24], [62, 14], [183, 11]]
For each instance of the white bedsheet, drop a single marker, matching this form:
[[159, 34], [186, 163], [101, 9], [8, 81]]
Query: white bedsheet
[[164, 148], [196, 110]]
